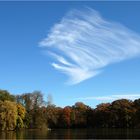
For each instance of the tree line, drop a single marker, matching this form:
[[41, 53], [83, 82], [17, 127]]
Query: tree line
[[30, 111]]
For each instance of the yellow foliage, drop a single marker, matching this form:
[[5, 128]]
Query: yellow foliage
[[8, 115], [11, 115]]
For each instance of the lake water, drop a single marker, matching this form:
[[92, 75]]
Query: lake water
[[73, 134]]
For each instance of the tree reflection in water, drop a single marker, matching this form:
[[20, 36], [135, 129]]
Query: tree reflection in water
[[72, 134]]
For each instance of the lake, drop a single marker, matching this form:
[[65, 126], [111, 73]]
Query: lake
[[73, 134]]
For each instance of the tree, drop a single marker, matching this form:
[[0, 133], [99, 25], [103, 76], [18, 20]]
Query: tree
[[66, 117], [53, 115], [21, 115], [89, 114], [102, 115], [79, 110], [41, 121], [36, 112], [11, 115], [33, 103], [80, 105], [25, 100], [137, 114], [8, 115], [5, 95], [37, 99], [123, 112]]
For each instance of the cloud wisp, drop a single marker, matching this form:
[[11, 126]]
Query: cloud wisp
[[83, 43], [111, 97]]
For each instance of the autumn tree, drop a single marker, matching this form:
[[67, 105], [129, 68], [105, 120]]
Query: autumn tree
[[137, 113], [80, 114], [123, 112], [102, 115], [65, 117], [20, 116], [8, 115]]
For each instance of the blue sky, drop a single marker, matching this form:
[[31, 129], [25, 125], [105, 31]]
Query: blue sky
[[26, 64]]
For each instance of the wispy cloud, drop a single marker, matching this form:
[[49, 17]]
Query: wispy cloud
[[84, 42], [111, 97]]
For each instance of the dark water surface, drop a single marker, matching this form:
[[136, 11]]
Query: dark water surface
[[73, 134]]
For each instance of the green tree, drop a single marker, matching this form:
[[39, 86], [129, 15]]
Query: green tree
[[5, 95], [33, 102]]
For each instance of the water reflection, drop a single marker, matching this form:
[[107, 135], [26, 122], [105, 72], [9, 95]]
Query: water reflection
[[73, 134], [8, 135]]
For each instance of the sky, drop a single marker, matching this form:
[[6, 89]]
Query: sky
[[75, 51]]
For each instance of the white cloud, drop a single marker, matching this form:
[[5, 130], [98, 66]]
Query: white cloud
[[111, 97], [85, 42]]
